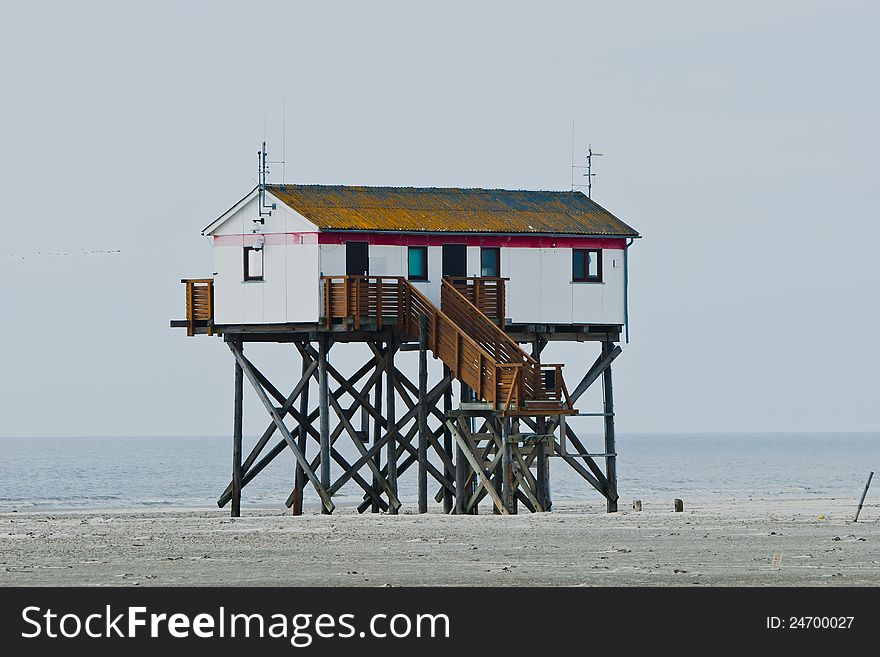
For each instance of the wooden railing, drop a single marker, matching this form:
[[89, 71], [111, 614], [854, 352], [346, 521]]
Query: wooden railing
[[199, 303], [486, 293], [540, 383], [478, 353], [363, 298]]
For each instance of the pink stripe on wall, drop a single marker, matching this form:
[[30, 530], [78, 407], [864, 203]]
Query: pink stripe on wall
[[511, 241], [269, 239]]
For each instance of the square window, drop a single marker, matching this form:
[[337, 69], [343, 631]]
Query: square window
[[490, 262], [418, 263], [586, 265], [253, 264]]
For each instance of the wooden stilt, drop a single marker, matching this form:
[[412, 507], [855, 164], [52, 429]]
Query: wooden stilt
[[543, 475], [377, 431], [302, 440], [506, 466], [462, 468], [448, 497], [236, 438], [423, 414], [610, 449], [498, 471], [324, 415], [390, 414]]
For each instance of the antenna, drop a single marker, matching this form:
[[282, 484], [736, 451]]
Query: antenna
[[283, 140], [589, 174], [263, 170]]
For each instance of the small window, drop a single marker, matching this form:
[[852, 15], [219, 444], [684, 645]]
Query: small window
[[490, 261], [418, 263], [253, 264], [586, 265]]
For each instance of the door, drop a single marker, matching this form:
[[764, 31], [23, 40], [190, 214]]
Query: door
[[357, 259], [454, 260]]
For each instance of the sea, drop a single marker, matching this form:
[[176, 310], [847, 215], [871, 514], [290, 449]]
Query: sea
[[190, 472]]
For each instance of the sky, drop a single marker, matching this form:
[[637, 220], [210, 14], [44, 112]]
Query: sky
[[740, 139]]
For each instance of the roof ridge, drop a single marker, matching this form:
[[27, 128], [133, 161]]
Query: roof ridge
[[425, 189]]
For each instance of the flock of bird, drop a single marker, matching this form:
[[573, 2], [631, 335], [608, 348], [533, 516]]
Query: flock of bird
[[58, 254]]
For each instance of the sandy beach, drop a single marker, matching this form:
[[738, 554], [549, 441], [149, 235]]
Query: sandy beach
[[759, 542]]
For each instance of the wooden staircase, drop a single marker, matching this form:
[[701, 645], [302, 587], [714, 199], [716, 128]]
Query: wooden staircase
[[477, 351]]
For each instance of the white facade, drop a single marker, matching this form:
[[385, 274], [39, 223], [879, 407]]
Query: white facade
[[540, 289]]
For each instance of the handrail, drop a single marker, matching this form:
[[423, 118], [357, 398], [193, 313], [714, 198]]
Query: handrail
[[502, 343], [505, 348]]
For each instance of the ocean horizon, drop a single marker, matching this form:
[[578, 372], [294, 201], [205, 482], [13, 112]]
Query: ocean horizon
[[149, 472]]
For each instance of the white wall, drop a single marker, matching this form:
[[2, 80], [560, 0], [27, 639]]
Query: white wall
[[289, 291], [540, 289]]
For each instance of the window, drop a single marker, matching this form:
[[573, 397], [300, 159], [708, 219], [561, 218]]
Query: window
[[490, 261], [253, 263], [586, 265], [418, 263]]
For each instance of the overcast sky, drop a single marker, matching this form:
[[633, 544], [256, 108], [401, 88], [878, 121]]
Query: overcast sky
[[740, 140]]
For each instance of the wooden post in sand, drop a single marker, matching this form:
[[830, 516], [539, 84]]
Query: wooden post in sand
[[610, 447], [678, 505], [299, 476], [506, 466], [236, 439], [448, 499], [423, 414], [864, 494], [324, 414]]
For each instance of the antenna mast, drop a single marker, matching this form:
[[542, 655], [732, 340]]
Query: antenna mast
[[589, 174], [265, 209]]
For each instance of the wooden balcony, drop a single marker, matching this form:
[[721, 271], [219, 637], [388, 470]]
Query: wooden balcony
[[199, 304]]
